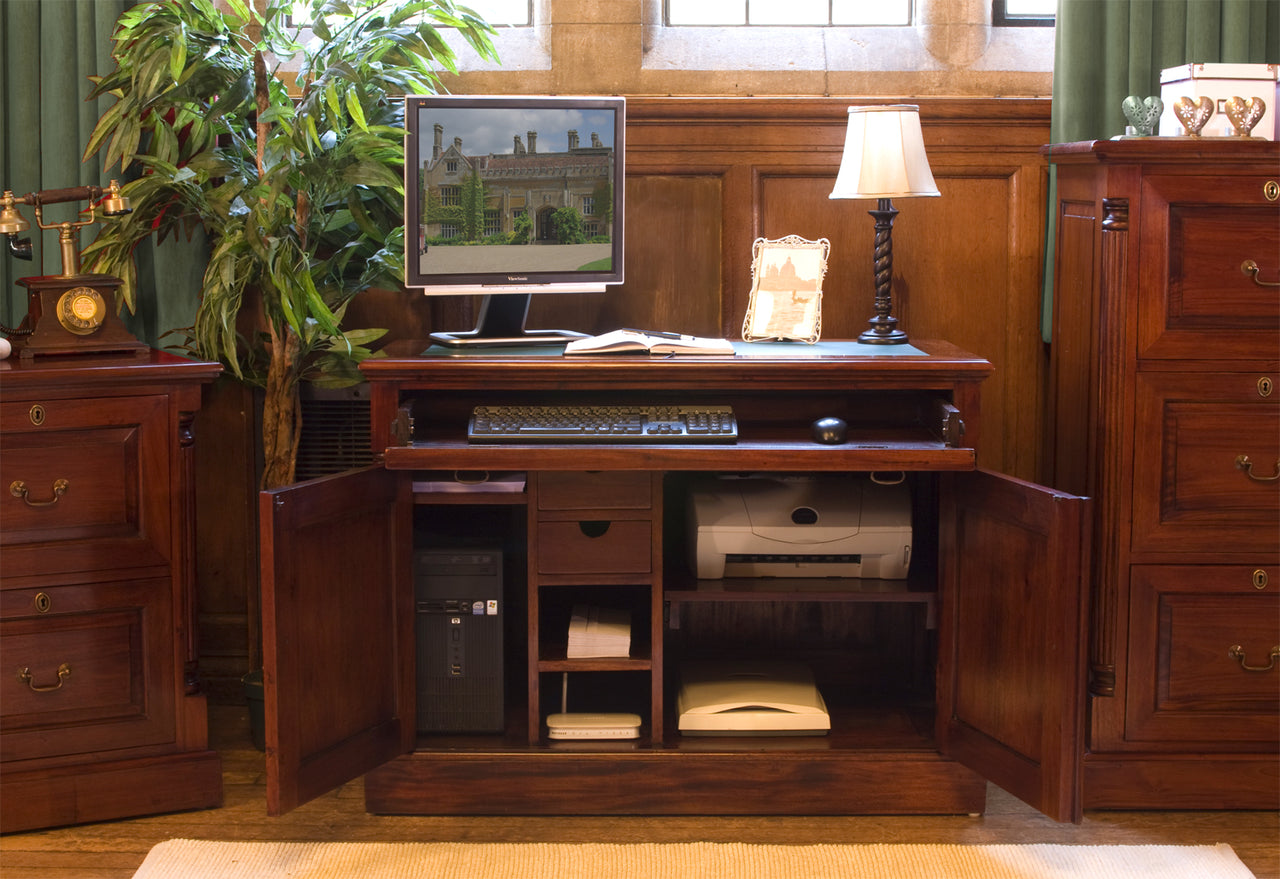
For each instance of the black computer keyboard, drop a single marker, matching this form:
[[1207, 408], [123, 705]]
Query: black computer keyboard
[[602, 424]]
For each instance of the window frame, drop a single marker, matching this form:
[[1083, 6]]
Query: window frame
[[747, 23]]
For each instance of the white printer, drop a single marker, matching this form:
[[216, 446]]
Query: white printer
[[834, 525]]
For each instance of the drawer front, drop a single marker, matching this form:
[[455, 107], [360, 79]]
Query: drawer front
[[85, 485], [595, 547], [1204, 656], [1193, 491], [1195, 300], [602, 490], [86, 668]]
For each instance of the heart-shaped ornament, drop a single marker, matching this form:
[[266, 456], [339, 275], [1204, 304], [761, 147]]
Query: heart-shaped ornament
[[1244, 115], [1193, 114], [1143, 113]]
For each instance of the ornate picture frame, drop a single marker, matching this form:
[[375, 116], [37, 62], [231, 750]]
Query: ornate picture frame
[[786, 290]]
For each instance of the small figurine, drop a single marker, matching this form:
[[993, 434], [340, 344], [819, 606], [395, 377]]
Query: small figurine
[[1193, 114], [1244, 115], [1143, 114]]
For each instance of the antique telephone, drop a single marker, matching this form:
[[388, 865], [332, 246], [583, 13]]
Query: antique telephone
[[70, 313]]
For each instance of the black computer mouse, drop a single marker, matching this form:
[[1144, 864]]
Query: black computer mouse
[[829, 431]]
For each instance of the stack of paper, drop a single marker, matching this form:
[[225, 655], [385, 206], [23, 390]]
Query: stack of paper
[[596, 632]]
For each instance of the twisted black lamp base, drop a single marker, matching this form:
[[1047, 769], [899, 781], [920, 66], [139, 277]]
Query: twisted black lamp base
[[884, 326]]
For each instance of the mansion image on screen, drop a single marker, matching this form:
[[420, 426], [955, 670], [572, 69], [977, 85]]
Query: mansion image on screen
[[523, 181]]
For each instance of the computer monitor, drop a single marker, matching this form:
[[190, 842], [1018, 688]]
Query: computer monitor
[[507, 196]]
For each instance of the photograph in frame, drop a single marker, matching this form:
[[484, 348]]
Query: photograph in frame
[[786, 290]]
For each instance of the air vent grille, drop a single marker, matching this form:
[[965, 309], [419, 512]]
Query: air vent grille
[[335, 432]]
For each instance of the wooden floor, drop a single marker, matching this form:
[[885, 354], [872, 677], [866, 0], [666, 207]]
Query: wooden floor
[[116, 849]]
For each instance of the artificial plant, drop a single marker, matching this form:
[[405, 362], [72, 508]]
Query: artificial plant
[[298, 186]]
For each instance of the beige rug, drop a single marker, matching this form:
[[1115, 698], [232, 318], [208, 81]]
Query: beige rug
[[197, 859]]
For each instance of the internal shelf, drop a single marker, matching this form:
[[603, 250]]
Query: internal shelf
[[830, 590]]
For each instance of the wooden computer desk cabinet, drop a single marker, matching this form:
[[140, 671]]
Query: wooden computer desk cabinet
[[1166, 335], [921, 716], [101, 712]]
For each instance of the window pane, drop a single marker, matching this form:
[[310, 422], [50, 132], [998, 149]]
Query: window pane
[[706, 12], [884, 12], [500, 12], [813, 13], [788, 11], [495, 12], [1037, 8]]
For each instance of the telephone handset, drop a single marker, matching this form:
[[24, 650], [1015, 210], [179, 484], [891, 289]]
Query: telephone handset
[[70, 313]]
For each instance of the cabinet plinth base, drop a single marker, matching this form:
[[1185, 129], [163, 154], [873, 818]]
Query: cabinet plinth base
[[666, 782], [84, 793], [1181, 781]]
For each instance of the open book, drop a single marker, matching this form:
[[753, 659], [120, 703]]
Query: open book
[[653, 342]]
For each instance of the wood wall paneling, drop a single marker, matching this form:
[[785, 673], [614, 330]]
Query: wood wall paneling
[[707, 176]]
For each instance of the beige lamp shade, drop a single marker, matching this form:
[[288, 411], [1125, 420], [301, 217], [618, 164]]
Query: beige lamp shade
[[884, 155]]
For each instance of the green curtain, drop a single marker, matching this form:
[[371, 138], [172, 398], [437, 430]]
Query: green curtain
[[50, 49], [1106, 50]]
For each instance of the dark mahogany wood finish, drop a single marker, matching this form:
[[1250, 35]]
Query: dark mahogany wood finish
[[1166, 357], [97, 594], [340, 656]]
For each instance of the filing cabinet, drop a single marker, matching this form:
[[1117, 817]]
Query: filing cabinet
[[101, 714], [1166, 334]]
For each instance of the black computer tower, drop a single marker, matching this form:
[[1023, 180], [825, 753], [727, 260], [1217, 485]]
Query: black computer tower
[[460, 612]]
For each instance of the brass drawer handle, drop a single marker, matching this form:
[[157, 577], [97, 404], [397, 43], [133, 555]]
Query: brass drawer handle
[[1236, 652], [18, 489], [64, 672], [1243, 463], [1249, 267]]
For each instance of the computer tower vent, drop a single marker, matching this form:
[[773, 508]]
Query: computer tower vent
[[335, 431]]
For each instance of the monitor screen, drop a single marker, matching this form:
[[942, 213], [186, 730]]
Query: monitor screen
[[511, 195]]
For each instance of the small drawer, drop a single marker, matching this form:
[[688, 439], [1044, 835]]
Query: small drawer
[[1196, 300], [1204, 464], [1202, 656], [84, 484], [595, 547], [598, 490], [87, 668]]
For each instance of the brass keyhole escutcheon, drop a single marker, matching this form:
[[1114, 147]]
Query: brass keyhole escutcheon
[[1259, 579], [43, 602], [1271, 190], [37, 414], [1265, 386]]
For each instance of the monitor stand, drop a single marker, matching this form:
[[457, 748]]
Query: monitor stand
[[501, 323]]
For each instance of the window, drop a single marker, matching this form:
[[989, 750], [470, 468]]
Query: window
[[450, 196], [820, 13], [499, 13], [1023, 13]]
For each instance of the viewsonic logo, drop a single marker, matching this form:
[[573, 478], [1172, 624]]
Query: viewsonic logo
[[517, 277]]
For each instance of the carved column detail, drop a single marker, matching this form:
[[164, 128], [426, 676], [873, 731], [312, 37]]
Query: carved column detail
[[1109, 435]]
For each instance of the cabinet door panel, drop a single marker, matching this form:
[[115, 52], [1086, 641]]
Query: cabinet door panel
[[337, 621], [1011, 693]]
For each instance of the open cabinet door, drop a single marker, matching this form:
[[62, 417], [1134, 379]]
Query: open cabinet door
[[1012, 639], [337, 624]]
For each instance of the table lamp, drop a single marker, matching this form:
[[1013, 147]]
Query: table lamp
[[884, 159]]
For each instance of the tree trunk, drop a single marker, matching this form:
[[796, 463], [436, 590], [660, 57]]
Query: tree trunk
[[281, 411]]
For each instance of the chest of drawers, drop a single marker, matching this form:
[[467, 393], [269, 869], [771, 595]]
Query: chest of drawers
[[101, 715], [1166, 333]]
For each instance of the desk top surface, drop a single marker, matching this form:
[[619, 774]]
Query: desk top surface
[[923, 363]]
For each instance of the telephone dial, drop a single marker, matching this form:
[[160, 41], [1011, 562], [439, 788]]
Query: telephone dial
[[69, 313]]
